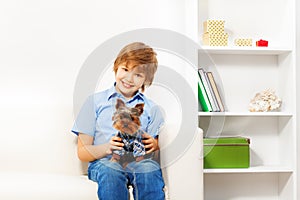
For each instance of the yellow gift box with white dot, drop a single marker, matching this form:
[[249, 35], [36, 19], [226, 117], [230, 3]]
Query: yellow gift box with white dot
[[214, 26], [243, 42], [213, 39]]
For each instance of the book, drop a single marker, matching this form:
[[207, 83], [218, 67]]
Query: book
[[202, 96], [214, 99], [215, 91], [206, 85]]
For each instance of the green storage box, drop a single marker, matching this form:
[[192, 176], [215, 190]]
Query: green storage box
[[226, 152]]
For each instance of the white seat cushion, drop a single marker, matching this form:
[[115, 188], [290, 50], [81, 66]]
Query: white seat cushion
[[30, 186]]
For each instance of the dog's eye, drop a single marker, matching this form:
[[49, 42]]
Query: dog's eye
[[134, 111]]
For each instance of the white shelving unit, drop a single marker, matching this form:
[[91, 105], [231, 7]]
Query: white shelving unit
[[241, 73]]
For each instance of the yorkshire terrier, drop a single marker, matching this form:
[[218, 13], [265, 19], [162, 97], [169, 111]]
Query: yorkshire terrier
[[126, 120]]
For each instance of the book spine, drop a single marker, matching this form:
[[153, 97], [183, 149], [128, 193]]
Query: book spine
[[202, 96], [206, 87], [216, 91], [214, 99]]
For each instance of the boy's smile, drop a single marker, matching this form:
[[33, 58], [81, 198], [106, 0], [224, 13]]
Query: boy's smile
[[129, 80]]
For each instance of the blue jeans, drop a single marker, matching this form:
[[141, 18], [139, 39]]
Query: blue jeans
[[145, 177]]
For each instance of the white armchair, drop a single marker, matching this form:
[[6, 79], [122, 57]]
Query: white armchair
[[183, 180], [63, 176]]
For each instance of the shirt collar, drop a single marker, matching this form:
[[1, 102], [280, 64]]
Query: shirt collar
[[112, 92]]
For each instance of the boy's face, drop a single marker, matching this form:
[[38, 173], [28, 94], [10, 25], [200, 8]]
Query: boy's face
[[129, 80]]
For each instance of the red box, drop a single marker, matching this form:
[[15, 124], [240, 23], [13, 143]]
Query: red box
[[262, 43]]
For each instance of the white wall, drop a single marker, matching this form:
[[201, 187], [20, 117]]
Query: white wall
[[42, 46]]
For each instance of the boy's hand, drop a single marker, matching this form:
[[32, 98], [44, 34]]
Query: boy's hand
[[115, 143], [151, 144]]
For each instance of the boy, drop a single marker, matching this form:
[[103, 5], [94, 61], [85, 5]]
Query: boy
[[134, 69]]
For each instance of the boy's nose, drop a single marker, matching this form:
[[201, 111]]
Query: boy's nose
[[129, 76]]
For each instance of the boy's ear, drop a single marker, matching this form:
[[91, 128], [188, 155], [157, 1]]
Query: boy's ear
[[119, 104], [140, 108]]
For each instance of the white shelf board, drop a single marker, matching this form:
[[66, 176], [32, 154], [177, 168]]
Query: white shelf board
[[245, 50], [246, 114], [256, 169]]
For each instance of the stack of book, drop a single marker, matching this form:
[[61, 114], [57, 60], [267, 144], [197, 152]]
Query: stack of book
[[208, 94]]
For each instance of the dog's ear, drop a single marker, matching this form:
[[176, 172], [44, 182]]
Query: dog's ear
[[119, 104], [140, 108]]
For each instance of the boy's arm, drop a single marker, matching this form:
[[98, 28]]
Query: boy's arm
[[86, 151]]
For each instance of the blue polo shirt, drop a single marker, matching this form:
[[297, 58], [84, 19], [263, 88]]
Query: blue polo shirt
[[95, 116]]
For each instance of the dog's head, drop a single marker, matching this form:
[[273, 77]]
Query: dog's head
[[126, 119]]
